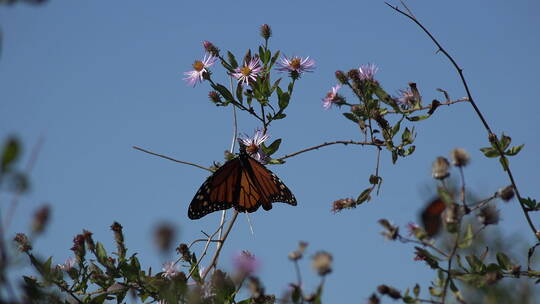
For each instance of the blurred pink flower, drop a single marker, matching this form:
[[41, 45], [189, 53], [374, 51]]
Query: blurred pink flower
[[169, 270], [68, 264], [367, 71], [245, 262], [331, 97]]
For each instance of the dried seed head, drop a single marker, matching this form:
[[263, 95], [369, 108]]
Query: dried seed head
[[266, 31], [440, 168], [389, 291], [343, 203], [210, 48], [506, 193], [322, 263], [183, 250], [488, 215], [214, 97], [374, 299], [89, 240], [460, 157], [164, 235], [22, 242], [298, 253], [41, 218]]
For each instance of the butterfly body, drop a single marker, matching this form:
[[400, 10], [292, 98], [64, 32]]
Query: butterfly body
[[242, 183]]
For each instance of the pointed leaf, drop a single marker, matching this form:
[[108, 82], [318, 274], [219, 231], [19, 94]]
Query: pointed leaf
[[514, 150], [232, 60]]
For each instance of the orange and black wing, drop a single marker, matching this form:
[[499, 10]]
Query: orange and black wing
[[218, 192], [260, 186], [431, 216]]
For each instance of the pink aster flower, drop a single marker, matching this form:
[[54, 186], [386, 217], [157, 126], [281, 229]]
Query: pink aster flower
[[199, 68], [245, 262], [169, 270], [249, 71], [405, 98], [296, 64], [253, 145], [68, 264], [367, 71], [331, 97]]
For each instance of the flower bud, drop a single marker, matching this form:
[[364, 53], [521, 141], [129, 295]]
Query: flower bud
[[298, 253], [214, 97], [343, 203], [22, 241], [119, 238], [266, 31], [41, 218], [460, 157], [506, 193], [322, 263], [79, 248], [488, 215], [183, 250], [439, 169], [341, 77], [389, 291], [89, 240], [210, 48]]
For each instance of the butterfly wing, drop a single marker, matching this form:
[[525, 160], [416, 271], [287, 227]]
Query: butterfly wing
[[268, 185], [218, 192], [431, 216]]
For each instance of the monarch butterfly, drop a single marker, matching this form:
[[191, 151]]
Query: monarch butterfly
[[431, 216], [242, 183]]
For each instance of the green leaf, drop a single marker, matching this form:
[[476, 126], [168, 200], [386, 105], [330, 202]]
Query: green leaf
[[514, 150], [396, 127], [445, 195], [504, 261], [490, 152], [467, 239], [472, 279], [476, 264], [224, 92], [279, 116], [408, 299], [351, 117], [101, 254], [232, 60], [274, 58], [239, 92], [10, 154], [283, 101], [394, 156], [530, 203], [272, 148], [417, 118], [416, 290], [406, 137], [504, 163], [505, 142], [435, 292], [296, 294], [364, 196]]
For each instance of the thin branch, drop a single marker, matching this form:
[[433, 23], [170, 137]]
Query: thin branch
[[462, 192], [449, 276], [170, 158], [344, 142], [428, 107], [478, 113], [425, 244], [218, 250]]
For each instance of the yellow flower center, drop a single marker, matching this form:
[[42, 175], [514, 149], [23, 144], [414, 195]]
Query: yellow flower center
[[295, 63], [198, 65], [245, 71], [252, 149]]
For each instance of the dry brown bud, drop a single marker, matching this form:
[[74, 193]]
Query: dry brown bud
[[374, 299], [41, 218], [183, 250], [488, 215], [439, 169], [22, 241], [266, 31], [391, 232], [343, 203], [341, 77], [322, 263], [460, 157], [506, 193], [89, 240], [389, 291]]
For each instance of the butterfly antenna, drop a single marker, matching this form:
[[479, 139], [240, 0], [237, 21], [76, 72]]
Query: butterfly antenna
[[249, 223]]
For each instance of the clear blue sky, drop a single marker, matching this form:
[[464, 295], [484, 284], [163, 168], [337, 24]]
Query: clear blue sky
[[97, 77]]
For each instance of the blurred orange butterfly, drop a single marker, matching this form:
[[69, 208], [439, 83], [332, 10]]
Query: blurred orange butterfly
[[242, 183]]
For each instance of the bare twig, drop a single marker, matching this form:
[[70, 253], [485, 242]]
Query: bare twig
[[344, 142], [478, 113], [170, 158], [446, 103], [218, 250], [425, 244]]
